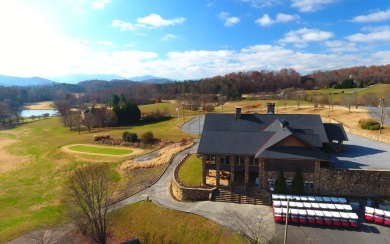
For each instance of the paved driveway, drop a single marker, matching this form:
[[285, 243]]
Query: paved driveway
[[367, 233], [363, 153]]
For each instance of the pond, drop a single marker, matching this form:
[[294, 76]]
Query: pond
[[38, 112]]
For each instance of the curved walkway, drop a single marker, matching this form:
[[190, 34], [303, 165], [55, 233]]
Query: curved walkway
[[216, 211]]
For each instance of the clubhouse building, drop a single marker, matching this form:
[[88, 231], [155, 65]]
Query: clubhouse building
[[251, 149]]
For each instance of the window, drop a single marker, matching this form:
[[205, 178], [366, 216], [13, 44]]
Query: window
[[308, 184], [257, 161], [225, 160], [210, 159], [289, 183], [239, 160], [271, 182], [254, 161]]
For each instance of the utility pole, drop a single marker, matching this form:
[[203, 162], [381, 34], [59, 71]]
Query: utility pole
[[199, 121], [286, 226], [382, 114]]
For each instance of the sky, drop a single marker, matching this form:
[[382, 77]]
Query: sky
[[190, 39]]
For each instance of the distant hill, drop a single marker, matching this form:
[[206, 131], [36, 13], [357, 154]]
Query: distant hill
[[150, 79], [76, 78], [21, 81]]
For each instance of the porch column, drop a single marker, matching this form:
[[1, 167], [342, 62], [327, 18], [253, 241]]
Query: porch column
[[246, 165], [231, 160], [263, 179], [204, 170], [317, 171], [217, 162]]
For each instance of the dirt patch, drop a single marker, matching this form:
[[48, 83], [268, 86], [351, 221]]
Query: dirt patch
[[9, 162], [42, 205], [40, 105]]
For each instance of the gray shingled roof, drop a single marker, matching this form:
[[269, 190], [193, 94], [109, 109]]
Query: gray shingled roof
[[256, 134], [335, 132], [293, 153], [232, 142]]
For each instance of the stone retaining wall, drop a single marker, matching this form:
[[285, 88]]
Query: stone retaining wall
[[183, 193], [355, 182]]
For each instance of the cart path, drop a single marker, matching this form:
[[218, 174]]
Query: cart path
[[216, 211]]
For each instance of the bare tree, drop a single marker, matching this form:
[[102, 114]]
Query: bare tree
[[90, 193], [348, 101], [370, 99], [381, 113], [254, 228], [42, 236]]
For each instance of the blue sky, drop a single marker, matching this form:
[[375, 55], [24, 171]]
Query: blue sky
[[190, 39]]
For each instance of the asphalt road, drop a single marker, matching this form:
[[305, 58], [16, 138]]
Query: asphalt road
[[367, 233], [363, 153]]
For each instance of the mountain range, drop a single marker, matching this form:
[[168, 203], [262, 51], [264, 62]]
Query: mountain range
[[21, 81], [74, 79]]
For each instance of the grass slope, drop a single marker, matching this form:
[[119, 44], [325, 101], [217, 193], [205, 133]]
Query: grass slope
[[153, 224]]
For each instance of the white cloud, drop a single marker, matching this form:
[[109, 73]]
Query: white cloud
[[280, 18], [262, 3], [310, 5], [265, 20], [168, 37], [375, 36], [150, 21], [341, 46], [100, 4], [373, 17], [223, 15], [301, 37], [229, 21], [123, 26], [106, 43], [155, 20]]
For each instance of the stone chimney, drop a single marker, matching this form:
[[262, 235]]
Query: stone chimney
[[238, 112], [270, 108]]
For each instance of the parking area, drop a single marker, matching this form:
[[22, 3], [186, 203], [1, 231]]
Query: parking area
[[366, 233], [363, 153]]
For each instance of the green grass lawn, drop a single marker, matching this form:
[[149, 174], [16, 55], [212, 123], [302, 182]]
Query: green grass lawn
[[190, 172], [338, 94], [100, 150], [153, 224], [31, 194]]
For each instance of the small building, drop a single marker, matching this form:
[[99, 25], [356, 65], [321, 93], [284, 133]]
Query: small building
[[251, 149]]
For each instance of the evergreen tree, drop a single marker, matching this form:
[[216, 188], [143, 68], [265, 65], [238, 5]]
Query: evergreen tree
[[298, 183], [114, 102], [281, 186], [127, 114]]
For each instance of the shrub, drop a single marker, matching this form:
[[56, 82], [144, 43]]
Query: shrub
[[129, 137], [281, 186], [147, 137], [369, 124], [298, 183]]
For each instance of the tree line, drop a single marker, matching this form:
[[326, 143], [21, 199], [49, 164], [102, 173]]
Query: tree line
[[209, 90]]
